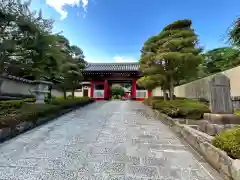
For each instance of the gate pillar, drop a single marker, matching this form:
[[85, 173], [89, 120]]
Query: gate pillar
[[106, 96], [134, 89]]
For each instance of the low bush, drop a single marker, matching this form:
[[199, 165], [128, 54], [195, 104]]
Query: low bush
[[13, 104], [29, 100], [229, 141], [28, 112], [181, 108], [17, 111], [65, 102], [116, 97]]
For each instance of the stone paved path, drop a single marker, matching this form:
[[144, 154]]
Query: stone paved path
[[103, 141]]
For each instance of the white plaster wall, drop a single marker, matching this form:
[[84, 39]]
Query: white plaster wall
[[157, 92], [200, 88], [57, 93], [19, 87], [76, 94], [80, 94], [16, 87], [141, 93]]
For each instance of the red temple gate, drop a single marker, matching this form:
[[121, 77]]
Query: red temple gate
[[102, 75]]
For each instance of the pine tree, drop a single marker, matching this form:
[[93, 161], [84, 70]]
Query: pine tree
[[170, 56]]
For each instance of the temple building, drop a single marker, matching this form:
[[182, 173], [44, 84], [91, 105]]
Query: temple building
[[99, 78]]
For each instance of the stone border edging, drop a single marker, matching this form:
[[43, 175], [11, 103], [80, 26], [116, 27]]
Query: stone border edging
[[9, 133], [226, 166]]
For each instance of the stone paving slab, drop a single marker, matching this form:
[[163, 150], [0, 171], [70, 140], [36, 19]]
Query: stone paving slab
[[103, 141]]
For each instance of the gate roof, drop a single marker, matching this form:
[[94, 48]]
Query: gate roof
[[112, 67]]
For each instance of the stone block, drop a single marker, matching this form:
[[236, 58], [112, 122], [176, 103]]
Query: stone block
[[24, 126], [220, 95], [211, 129], [202, 125], [212, 156], [227, 167], [222, 118], [235, 170], [4, 133]]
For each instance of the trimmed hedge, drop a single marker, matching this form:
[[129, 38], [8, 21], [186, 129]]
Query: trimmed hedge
[[17, 111], [13, 104], [179, 108], [6, 96], [229, 141]]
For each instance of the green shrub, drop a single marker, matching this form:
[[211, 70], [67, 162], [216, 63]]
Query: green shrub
[[11, 104], [69, 96], [237, 112], [65, 103], [116, 96], [15, 104], [61, 98], [28, 112], [29, 100], [181, 108], [158, 98], [17, 111], [203, 100], [229, 141]]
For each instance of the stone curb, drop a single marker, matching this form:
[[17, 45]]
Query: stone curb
[[201, 142], [9, 133]]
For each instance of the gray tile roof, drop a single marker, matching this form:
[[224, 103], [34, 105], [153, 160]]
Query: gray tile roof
[[112, 67]]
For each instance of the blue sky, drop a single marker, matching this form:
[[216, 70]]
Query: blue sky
[[114, 30]]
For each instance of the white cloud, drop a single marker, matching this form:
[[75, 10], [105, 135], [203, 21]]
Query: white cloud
[[116, 59], [120, 59], [58, 5], [95, 60]]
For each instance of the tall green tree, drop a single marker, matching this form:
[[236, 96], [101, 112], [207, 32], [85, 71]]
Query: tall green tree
[[20, 28], [150, 67], [171, 56], [234, 33], [72, 67], [117, 90], [29, 49], [221, 59], [179, 52]]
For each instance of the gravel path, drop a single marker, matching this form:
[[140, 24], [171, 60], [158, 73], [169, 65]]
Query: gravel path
[[103, 141]]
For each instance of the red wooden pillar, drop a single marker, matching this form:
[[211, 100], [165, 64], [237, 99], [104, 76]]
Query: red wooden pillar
[[149, 93], [134, 89], [106, 90], [92, 89]]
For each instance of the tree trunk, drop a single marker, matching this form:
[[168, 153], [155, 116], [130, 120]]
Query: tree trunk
[[151, 99], [73, 93], [165, 95], [50, 92], [171, 88], [65, 94]]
